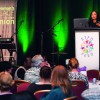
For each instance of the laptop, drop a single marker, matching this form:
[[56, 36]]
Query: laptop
[[81, 23]]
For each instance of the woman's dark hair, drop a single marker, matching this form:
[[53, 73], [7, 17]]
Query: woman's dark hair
[[24, 95], [5, 66], [45, 72], [98, 17]]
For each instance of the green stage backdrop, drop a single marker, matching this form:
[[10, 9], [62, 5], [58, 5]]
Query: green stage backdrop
[[47, 27]]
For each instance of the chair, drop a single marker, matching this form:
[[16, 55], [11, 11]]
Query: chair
[[78, 86], [92, 74], [23, 86], [38, 94], [71, 98], [16, 84]]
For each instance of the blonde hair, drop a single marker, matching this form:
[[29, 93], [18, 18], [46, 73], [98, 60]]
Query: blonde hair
[[6, 81], [59, 77]]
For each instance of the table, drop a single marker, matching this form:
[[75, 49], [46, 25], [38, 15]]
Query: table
[[91, 85]]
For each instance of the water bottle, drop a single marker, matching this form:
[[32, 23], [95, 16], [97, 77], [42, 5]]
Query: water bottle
[[94, 80]]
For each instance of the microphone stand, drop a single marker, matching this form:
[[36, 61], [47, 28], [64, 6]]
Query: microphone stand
[[52, 28], [42, 43], [52, 33], [12, 38], [17, 29]]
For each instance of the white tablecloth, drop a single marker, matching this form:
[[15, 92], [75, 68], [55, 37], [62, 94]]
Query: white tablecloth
[[91, 85]]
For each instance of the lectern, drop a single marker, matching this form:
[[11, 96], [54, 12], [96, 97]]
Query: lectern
[[87, 47]]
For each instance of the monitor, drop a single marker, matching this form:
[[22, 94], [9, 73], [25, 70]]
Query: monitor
[[81, 23]]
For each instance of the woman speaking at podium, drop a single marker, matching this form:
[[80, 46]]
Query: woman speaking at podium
[[94, 20]]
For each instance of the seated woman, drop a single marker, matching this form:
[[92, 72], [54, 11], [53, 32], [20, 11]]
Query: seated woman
[[94, 20], [44, 83], [6, 83], [60, 84], [74, 74]]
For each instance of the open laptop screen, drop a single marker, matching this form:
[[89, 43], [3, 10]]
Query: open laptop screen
[[81, 23]]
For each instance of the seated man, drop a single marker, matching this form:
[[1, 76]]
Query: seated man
[[6, 83], [44, 83], [32, 74], [19, 73]]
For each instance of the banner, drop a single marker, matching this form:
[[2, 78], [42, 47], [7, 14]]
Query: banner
[[87, 48], [8, 25]]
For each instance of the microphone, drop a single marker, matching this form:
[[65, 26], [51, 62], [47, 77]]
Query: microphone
[[60, 20]]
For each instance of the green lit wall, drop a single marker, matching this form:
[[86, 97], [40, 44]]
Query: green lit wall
[[88, 9], [25, 29], [68, 10], [61, 27]]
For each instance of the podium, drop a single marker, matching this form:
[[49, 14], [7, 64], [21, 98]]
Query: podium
[[87, 47]]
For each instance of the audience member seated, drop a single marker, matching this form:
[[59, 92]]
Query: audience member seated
[[19, 73], [6, 82], [24, 95], [32, 74], [60, 83], [91, 94], [74, 74], [44, 83], [6, 66]]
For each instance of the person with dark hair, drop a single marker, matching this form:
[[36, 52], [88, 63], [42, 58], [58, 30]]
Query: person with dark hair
[[45, 73], [61, 85], [44, 83], [74, 74], [20, 71], [94, 20], [6, 66], [24, 95]]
